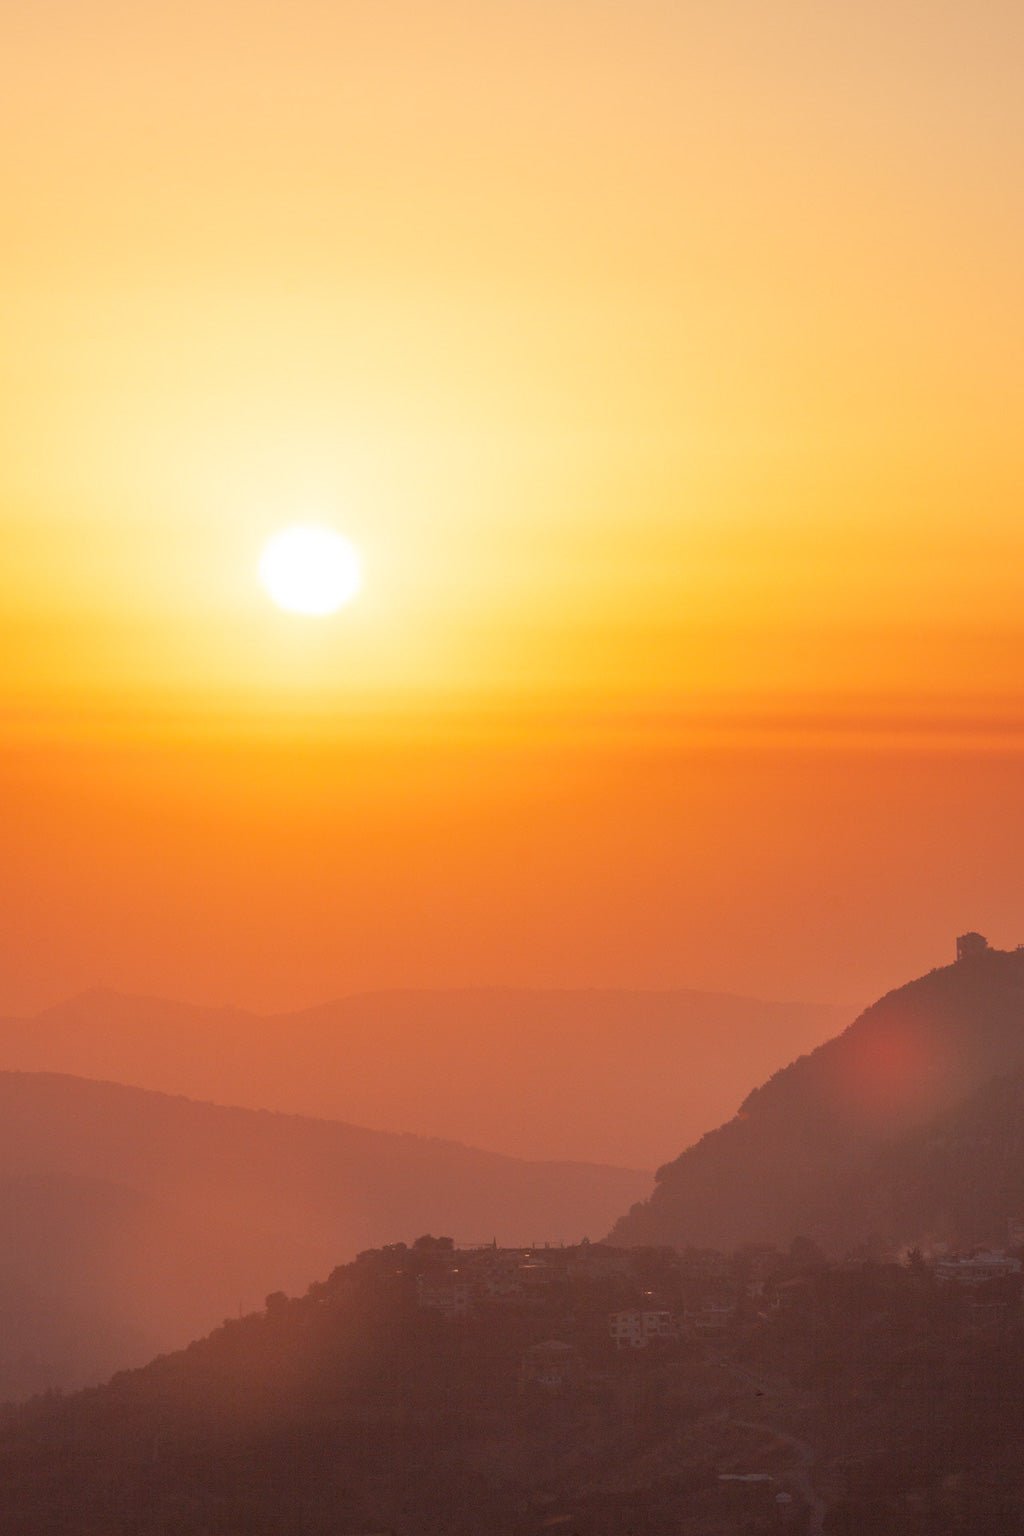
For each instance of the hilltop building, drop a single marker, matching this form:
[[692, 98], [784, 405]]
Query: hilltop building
[[968, 945]]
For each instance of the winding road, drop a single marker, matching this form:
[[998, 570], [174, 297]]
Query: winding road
[[806, 1453]]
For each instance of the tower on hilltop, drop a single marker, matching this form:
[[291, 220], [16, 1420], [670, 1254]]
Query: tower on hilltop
[[970, 944]]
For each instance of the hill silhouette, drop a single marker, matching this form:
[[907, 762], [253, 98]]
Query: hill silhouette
[[96, 1275], [834, 1145], [617, 1077], [956, 1180], [871, 1397], [131, 1221]]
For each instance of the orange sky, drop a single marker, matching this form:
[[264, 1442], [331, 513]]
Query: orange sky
[[663, 361]]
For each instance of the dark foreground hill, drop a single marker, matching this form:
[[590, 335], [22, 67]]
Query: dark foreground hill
[[617, 1077], [870, 1403], [872, 1135], [132, 1221]]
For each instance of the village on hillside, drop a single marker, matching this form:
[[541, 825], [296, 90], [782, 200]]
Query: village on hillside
[[611, 1301], [762, 1374]]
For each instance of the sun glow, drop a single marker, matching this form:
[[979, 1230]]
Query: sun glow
[[311, 569]]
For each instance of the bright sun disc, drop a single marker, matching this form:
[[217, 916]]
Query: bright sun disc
[[310, 569]]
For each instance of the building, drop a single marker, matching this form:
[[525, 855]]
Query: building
[[636, 1329], [987, 1314], [534, 1277], [705, 1265], [597, 1261], [976, 1268], [495, 1272], [968, 945], [450, 1294], [709, 1317], [552, 1365]]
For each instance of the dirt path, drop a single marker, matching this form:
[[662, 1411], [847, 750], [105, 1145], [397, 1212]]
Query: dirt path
[[801, 1474], [806, 1453]]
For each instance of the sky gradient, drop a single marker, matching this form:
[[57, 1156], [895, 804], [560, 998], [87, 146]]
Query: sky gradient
[[663, 362]]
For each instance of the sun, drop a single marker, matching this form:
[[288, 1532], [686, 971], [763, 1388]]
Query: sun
[[311, 569]]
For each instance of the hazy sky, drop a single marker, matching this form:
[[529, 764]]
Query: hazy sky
[[663, 360]]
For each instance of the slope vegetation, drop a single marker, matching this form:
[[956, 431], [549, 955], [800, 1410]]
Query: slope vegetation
[[814, 1148]]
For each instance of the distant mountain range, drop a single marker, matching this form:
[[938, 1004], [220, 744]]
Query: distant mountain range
[[617, 1077], [908, 1127], [131, 1221]]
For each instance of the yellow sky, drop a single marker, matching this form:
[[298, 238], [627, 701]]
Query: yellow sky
[[651, 353], [663, 359]]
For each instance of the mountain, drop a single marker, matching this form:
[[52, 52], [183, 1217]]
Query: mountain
[[130, 1221], [617, 1077], [813, 1151], [957, 1179]]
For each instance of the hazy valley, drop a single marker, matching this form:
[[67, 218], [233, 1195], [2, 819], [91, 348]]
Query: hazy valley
[[136, 1220], [551, 1075]]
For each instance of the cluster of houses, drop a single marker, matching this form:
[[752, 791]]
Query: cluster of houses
[[976, 1268], [462, 1280], [698, 1297], [971, 1271]]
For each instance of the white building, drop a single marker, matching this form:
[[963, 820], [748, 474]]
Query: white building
[[635, 1329], [975, 1268], [450, 1294], [711, 1317]]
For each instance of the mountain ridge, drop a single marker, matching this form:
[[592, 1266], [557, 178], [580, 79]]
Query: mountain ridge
[[200, 1207], [800, 1140], [554, 1074]]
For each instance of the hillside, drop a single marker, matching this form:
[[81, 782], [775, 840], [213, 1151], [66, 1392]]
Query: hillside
[[804, 1154], [96, 1275], [955, 1180], [150, 1218], [870, 1397], [617, 1077]]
